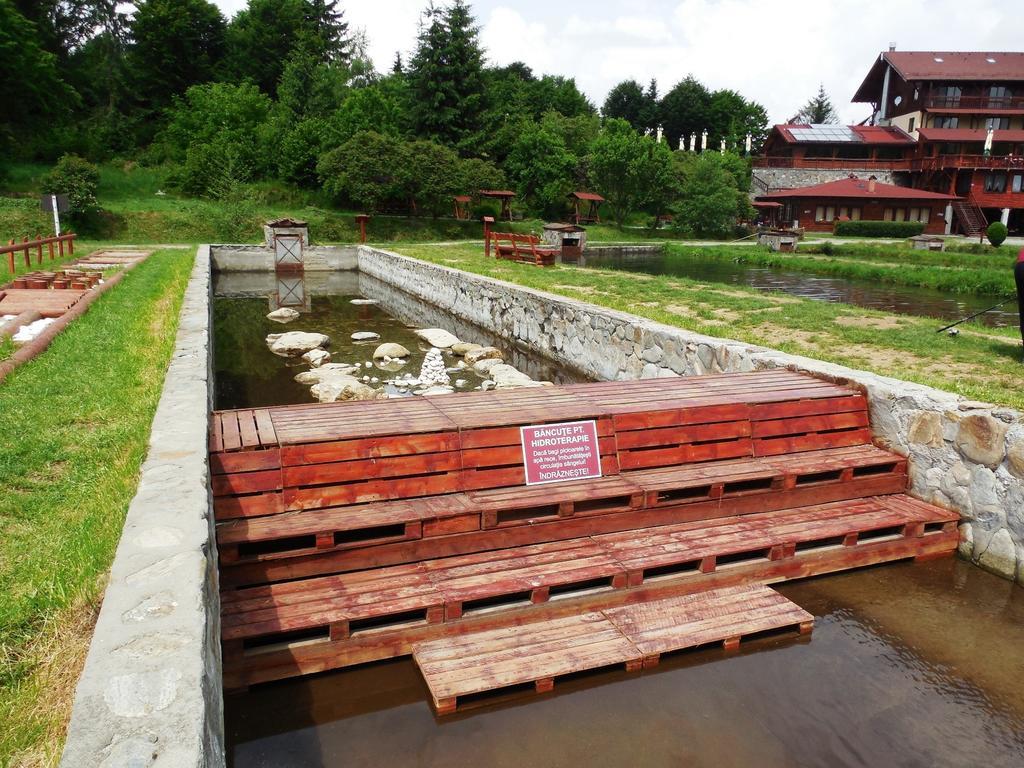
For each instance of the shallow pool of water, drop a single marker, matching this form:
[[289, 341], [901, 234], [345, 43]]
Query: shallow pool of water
[[908, 665], [861, 293], [249, 375]]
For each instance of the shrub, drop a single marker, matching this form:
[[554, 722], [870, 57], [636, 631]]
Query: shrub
[[369, 171], [996, 233], [894, 229], [76, 178]]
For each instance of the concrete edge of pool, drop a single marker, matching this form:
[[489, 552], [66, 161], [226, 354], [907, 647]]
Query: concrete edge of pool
[[151, 687]]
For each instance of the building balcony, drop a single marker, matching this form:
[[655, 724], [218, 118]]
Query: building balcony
[[974, 103], [956, 162], [831, 163]]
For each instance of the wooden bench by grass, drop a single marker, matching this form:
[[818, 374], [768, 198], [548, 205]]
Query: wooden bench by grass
[[525, 248]]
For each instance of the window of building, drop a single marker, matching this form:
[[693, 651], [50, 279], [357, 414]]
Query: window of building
[[855, 214], [945, 121], [995, 181], [999, 96], [919, 214], [926, 215], [819, 214], [887, 214], [947, 96], [998, 123], [901, 214], [1018, 183], [910, 125]]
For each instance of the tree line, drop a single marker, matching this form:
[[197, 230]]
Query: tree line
[[286, 91]]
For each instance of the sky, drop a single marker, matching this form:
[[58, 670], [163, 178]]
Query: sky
[[775, 52]]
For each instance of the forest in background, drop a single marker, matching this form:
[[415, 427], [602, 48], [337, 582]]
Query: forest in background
[[284, 93]]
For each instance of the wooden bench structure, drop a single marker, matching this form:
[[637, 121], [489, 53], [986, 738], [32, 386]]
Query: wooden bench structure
[[525, 248], [354, 532]]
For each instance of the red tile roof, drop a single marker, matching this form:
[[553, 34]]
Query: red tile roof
[[497, 193], [857, 188], [969, 134], [868, 134], [942, 65], [588, 196]]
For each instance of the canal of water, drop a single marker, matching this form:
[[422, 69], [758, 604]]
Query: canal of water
[[908, 665], [904, 300]]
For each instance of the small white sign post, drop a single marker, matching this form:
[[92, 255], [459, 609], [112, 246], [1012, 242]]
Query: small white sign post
[[56, 215]]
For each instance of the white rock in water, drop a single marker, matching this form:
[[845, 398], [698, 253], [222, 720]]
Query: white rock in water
[[325, 372], [344, 388], [484, 353], [283, 315], [436, 390], [361, 302], [295, 343], [486, 385], [437, 337], [365, 336], [433, 369], [483, 367], [505, 377], [461, 382], [317, 357], [368, 364], [463, 347], [390, 351]]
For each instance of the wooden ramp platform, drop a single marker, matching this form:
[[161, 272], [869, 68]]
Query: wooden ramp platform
[[354, 532], [636, 636]]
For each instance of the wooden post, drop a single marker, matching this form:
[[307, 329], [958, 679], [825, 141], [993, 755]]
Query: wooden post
[[60, 246], [362, 218], [39, 249], [488, 220], [50, 244], [10, 257], [71, 243], [28, 255]]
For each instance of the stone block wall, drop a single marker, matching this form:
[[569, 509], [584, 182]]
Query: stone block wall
[[150, 693], [964, 455], [788, 178], [259, 258]]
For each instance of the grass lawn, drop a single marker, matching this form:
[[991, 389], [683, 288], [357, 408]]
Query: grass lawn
[[981, 363], [74, 425]]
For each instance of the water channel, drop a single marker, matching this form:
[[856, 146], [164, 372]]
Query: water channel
[[908, 665], [904, 300]]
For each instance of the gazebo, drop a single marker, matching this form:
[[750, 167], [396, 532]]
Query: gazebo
[[593, 201], [505, 195]]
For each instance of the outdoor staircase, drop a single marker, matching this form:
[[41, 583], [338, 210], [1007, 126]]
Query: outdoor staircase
[[355, 532], [970, 218]]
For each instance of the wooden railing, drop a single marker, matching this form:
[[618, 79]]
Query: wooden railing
[[830, 163], [27, 246], [967, 161], [974, 102]]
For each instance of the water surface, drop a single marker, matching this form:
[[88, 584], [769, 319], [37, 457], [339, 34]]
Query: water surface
[[908, 665]]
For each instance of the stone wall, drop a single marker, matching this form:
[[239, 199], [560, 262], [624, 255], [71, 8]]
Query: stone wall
[[964, 455], [257, 258], [150, 693], [787, 178]]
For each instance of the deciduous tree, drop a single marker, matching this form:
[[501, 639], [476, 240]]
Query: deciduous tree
[[629, 170]]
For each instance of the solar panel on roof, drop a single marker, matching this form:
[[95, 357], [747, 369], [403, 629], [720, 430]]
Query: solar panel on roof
[[825, 133]]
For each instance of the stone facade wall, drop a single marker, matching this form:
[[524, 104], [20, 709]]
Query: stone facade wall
[[151, 691], [788, 178], [963, 455]]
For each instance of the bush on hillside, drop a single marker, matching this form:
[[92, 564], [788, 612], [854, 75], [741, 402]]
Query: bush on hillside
[[996, 233], [78, 179], [894, 229]]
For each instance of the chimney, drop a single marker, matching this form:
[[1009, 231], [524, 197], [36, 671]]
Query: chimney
[[871, 183], [892, 47]]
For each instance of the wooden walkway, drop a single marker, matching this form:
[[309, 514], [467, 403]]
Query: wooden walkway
[[636, 636], [52, 293], [353, 532]]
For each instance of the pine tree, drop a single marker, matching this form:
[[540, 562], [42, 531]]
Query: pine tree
[[398, 68], [818, 110], [329, 30], [446, 74]]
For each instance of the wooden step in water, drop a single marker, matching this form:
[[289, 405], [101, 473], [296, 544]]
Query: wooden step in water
[[636, 636], [299, 627], [306, 543]]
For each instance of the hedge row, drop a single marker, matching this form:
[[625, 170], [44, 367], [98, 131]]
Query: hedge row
[[896, 229]]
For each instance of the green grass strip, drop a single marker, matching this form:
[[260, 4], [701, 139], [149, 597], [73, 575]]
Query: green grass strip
[[74, 425]]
